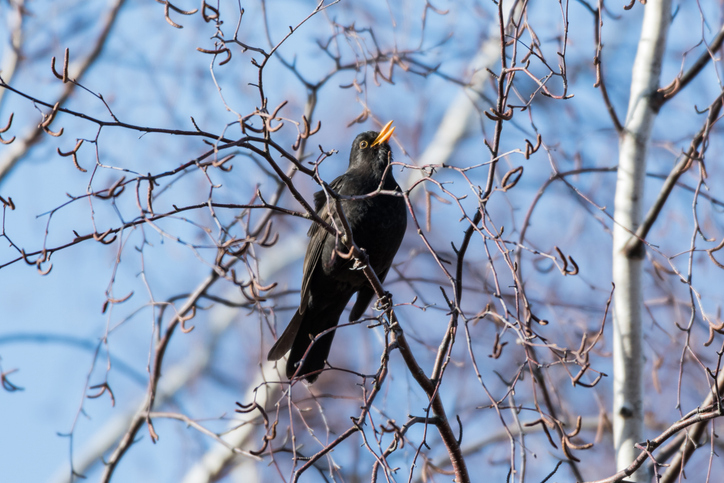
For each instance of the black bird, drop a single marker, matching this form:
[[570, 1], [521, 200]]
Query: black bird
[[378, 226]]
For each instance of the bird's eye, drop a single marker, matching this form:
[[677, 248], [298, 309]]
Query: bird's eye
[[363, 145]]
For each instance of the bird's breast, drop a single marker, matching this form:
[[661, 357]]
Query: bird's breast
[[378, 225]]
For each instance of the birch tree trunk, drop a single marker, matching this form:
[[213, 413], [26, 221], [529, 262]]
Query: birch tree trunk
[[627, 348]]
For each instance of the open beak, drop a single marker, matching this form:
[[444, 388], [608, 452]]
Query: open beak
[[385, 134]]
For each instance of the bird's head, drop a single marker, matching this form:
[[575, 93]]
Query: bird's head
[[371, 149]]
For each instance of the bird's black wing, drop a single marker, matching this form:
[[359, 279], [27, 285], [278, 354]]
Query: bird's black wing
[[320, 203], [317, 238]]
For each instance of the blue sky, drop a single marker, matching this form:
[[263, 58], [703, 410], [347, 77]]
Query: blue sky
[[151, 74]]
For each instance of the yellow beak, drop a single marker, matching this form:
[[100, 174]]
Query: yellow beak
[[385, 134]]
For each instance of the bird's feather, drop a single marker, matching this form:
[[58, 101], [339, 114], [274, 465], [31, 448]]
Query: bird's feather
[[329, 280]]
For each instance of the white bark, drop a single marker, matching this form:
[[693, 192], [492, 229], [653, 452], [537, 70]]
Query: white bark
[[10, 57], [220, 459], [627, 349]]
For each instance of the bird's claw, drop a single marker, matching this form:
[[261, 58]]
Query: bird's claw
[[358, 265], [359, 262], [384, 303]]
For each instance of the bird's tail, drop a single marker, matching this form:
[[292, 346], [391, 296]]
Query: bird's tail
[[300, 334]]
